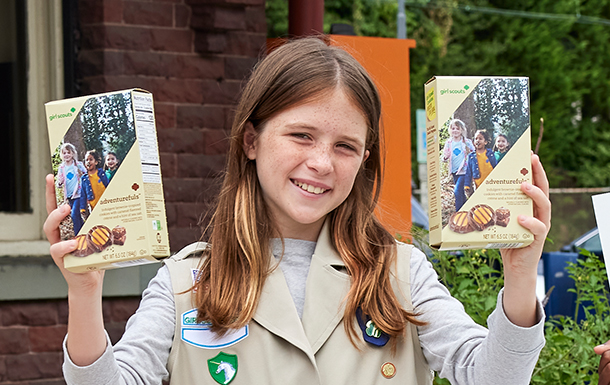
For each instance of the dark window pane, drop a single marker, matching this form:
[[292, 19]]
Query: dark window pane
[[14, 190]]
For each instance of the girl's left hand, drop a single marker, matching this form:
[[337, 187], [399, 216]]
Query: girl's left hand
[[520, 265], [604, 363]]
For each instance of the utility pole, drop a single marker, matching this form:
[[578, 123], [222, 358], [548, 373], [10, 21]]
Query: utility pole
[[305, 17], [401, 22]]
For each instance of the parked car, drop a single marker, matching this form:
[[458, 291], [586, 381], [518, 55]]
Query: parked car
[[552, 273]]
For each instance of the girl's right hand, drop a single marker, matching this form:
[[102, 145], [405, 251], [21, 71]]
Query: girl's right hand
[[81, 283]]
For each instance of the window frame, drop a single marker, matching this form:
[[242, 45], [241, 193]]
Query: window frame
[[45, 82]]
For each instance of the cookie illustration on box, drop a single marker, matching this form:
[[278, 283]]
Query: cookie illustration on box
[[100, 237], [83, 247], [119, 234], [460, 223], [502, 216], [482, 217]]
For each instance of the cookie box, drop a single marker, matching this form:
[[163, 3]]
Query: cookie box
[[478, 138], [105, 160]]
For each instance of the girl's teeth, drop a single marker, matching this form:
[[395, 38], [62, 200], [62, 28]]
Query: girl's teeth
[[311, 189]]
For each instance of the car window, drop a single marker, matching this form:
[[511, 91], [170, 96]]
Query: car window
[[592, 244]]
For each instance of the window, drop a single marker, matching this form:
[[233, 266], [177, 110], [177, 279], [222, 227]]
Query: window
[[31, 73]]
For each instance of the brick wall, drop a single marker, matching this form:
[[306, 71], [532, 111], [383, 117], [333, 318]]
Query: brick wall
[[32, 332], [193, 56]]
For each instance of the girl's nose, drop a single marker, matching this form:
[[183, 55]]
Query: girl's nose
[[321, 159]]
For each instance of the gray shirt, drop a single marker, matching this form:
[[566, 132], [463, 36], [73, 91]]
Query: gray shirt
[[454, 345]]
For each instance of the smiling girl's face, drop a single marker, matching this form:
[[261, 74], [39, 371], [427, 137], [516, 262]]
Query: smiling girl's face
[[501, 143], [111, 161], [90, 163], [455, 131], [307, 158], [479, 141], [67, 155]]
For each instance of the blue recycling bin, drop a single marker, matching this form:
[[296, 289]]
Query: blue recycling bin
[[561, 301]]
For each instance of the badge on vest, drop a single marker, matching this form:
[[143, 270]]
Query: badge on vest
[[223, 367], [200, 335], [370, 332]]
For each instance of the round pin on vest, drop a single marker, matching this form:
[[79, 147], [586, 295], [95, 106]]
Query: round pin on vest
[[388, 370]]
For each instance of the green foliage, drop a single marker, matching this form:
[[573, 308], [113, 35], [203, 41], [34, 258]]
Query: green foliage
[[566, 61], [568, 356], [475, 279], [108, 124]]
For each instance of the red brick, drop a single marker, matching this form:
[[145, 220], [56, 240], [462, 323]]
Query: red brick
[[47, 338], [183, 236], [148, 63], [34, 366], [30, 314], [182, 16], [204, 166], [221, 92], [256, 20], [171, 40], [168, 165], [100, 62], [176, 90], [14, 340], [210, 42], [123, 308], [146, 13], [170, 210], [197, 67], [96, 11], [239, 67], [165, 115], [190, 116], [216, 18], [115, 330], [181, 141], [62, 312], [246, 2], [58, 381], [183, 190], [2, 368], [245, 44], [216, 142], [190, 214], [116, 37], [100, 84]]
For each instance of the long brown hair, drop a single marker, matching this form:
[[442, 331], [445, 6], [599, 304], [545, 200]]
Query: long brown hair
[[236, 262]]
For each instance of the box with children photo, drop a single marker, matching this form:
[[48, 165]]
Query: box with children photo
[[479, 142], [106, 164]]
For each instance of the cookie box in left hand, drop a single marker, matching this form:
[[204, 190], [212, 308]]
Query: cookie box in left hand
[[106, 164]]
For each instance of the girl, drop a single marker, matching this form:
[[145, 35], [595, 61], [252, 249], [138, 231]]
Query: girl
[[68, 176], [456, 151], [480, 162], [111, 165], [348, 304], [94, 182], [501, 147]]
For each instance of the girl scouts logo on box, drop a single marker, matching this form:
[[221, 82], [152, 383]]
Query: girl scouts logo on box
[[223, 367], [199, 334]]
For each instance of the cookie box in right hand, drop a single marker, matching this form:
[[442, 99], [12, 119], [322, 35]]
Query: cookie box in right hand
[[479, 144]]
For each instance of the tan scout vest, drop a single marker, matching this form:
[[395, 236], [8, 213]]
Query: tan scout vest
[[278, 347]]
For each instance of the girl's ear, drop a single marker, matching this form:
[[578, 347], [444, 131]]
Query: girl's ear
[[250, 141]]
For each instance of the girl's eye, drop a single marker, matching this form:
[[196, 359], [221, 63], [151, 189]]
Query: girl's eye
[[347, 146], [300, 135]]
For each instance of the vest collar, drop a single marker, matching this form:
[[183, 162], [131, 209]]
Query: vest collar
[[327, 287]]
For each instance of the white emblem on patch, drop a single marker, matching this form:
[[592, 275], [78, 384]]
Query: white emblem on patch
[[200, 335]]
